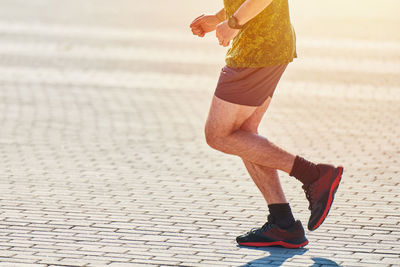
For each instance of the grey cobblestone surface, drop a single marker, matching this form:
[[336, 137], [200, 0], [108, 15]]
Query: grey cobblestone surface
[[102, 150]]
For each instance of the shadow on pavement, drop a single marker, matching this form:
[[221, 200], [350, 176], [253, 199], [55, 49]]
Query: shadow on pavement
[[277, 256], [323, 262]]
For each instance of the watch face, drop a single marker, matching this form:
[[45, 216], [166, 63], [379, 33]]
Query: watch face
[[233, 23]]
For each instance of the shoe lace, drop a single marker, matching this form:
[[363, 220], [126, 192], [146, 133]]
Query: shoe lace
[[307, 191], [264, 228]]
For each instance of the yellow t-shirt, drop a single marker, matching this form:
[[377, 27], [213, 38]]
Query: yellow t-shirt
[[266, 40]]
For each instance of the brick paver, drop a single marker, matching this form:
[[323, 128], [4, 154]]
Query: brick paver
[[103, 156]]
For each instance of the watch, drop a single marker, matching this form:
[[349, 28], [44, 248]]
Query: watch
[[233, 23]]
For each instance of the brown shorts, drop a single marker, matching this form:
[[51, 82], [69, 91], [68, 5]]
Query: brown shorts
[[248, 86]]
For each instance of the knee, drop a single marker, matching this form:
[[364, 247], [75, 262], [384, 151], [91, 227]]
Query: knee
[[213, 139]]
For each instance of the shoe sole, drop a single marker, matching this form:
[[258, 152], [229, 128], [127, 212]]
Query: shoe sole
[[275, 243], [332, 192]]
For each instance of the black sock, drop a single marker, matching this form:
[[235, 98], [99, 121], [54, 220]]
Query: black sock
[[281, 215], [304, 171]]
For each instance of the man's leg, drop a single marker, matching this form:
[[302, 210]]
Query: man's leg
[[265, 178], [224, 134], [281, 229]]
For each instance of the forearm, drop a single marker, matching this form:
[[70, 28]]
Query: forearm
[[221, 15], [249, 9]]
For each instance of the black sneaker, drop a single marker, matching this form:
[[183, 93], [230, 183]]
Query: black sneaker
[[320, 194], [271, 235]]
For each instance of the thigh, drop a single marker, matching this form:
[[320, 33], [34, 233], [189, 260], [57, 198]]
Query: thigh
[[225, 117], [251, 123]]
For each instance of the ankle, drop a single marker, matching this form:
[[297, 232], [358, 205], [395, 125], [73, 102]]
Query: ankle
[[281, 215], [305, 171]]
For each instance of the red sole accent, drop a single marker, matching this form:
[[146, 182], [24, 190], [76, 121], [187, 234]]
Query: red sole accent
[[276, 243], [334, 187]]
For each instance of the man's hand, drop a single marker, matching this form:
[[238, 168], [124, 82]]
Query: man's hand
[[225, 34], [204, 24]]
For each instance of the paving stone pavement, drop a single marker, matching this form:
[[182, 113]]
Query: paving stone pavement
[[102, 150]]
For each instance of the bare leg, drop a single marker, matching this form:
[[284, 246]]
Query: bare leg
[[266, 179], [223, 133]]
